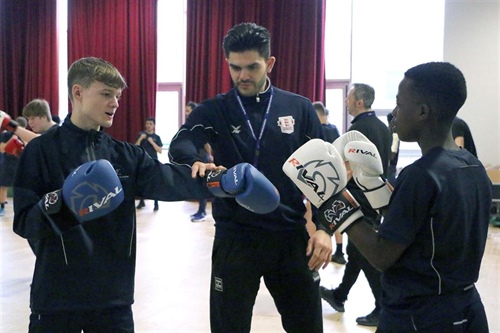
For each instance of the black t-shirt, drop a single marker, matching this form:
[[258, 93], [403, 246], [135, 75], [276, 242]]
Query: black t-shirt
[[440, 209], [147, 146]]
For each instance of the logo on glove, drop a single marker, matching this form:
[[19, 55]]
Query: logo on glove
[[100, 204], [91, 197], [314, 173], [361, 151], [235, 176], [336, 212]]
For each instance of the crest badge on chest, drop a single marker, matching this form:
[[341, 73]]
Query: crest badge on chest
[[286, 124]]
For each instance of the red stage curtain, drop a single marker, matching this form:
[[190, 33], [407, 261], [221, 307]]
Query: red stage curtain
[[28, 54], [124, 33], [297, 42]]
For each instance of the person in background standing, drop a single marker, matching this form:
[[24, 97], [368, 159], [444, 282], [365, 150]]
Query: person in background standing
[[330, 130], [206, 155], [359, 104], [151, 142]]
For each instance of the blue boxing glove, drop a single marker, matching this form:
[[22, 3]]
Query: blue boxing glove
[[89, 192], [92, 190], [251, 189]]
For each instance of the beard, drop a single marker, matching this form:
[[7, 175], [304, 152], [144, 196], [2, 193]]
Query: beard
[[250, 88]]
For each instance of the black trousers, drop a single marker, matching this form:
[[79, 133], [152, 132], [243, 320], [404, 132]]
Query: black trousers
[[116, 320], [356, 263], [279, 259], [448, 313]]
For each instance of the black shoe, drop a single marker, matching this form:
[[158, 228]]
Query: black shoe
[[156, 208], [327, 295], [339, 258], [369, 320], [141, 204]]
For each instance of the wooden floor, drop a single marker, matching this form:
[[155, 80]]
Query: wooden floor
[[172, 279]]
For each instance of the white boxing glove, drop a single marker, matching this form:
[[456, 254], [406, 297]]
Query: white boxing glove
[[319, 172], [366, 165]]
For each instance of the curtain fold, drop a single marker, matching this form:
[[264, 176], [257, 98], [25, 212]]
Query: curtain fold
[[28, 54], [297, 42], [123, 33]]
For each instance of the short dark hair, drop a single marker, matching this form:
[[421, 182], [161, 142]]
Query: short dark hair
[[320, 108], [365, 93], [440, 85], [246, 37], [151, 119]]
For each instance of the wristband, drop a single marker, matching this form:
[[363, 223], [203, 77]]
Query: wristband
[[338, 212]]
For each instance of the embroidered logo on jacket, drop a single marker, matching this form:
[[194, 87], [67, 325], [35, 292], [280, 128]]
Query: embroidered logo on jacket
[[236, 129], [286, 124]]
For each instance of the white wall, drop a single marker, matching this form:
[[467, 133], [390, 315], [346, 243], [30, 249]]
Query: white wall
[[472, 43]]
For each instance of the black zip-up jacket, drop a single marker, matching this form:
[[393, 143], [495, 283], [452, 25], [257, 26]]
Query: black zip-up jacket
[[220, 121], [89, 265]]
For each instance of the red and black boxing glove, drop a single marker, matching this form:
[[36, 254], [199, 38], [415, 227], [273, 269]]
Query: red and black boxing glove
[[6, 122], [14, 147]]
